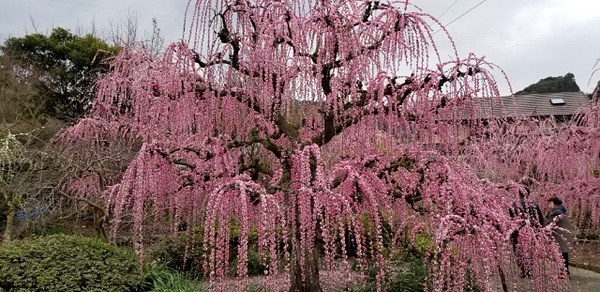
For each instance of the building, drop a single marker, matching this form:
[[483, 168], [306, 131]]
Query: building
[[562, 106]]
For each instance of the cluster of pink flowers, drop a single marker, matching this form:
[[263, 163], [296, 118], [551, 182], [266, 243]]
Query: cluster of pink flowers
[[296, 119]]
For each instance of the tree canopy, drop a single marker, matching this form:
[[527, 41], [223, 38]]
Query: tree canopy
[[323, 126], [68, 65], [552, 84]]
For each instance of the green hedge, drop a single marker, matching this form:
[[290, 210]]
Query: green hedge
[[67, 263]]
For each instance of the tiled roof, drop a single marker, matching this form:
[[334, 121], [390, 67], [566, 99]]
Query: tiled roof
[[536, 105]]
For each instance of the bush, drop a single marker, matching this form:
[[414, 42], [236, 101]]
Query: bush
[[67, 263], [407, 275], [158, 278], [182, 253], [49, 229], [411, 278], [185, 252], [256, 265]]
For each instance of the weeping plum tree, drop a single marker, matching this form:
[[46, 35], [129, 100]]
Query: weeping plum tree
[[320, 124], [561, 159]]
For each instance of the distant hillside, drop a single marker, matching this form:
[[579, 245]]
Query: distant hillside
[[552, 85]]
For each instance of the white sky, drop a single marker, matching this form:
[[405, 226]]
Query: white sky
[[529, 39]]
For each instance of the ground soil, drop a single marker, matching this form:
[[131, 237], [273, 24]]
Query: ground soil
[[586, 253]]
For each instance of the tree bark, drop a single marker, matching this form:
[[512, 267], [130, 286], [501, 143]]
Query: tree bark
[[304, 266], [10, 222], [304, 269], [503, 279]]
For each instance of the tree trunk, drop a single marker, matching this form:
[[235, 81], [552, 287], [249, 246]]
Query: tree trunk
[[503, 279], [10, 222], [304, 266], [304, 270]]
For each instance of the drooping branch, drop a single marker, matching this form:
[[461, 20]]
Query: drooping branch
[[82, 199], [255, 169], [255, 139], [226, 36], [400, 92], [103, 215]]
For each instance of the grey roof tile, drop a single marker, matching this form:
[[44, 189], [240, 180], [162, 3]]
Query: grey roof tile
[[534, 105]]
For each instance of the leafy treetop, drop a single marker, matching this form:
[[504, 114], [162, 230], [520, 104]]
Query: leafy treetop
[[70, 64], [552, 84]]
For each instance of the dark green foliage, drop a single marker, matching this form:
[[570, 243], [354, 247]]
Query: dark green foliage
[[182, 253], [471, 285], [68, 65], [407, 276], [158, 278], [256, 265], [412, 278], [370, 235], [3, 212], [552, 84], [47, 229], [67, 263]]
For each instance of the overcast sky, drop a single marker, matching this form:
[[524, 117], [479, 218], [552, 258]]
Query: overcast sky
[[529, 39]]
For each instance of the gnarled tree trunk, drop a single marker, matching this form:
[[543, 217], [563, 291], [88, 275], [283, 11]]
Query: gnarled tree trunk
[[304, 266]]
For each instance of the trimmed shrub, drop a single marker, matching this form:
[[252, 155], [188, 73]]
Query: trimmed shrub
[[67, 263]]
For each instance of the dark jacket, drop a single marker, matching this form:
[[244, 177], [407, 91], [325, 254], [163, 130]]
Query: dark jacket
[[563, 232], [529, 211]]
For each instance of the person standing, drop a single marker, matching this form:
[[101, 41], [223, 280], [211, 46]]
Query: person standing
[[563, 232], [526, 209], [528, 213]]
